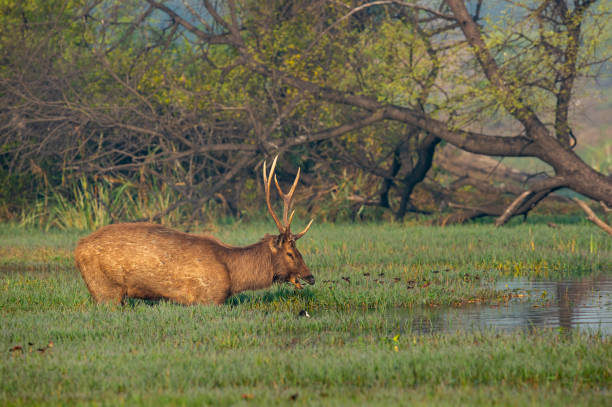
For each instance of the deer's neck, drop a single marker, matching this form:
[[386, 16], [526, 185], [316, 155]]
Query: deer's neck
[[250, 268]]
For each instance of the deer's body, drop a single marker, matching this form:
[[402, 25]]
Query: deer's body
[[143, 260]]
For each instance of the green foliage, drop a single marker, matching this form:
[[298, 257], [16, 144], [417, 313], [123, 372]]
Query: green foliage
[[391, 62]]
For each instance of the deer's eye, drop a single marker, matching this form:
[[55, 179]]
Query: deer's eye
[[290, 254]]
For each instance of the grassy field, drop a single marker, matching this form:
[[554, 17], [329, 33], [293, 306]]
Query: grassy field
[[257, 350]]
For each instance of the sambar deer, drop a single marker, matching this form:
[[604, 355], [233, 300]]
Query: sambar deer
[[148, 261]]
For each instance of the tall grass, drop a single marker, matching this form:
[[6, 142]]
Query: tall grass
[[90, 205]]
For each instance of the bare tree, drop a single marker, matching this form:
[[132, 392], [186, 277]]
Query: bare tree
[[552, 145]]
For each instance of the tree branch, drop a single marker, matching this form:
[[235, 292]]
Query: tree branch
[[511, 101], [530, 198], [592, 217], [210, 38], [512, 207]]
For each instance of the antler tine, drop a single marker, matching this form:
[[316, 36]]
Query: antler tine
[[287, 198], [303, 232], [267, 181], [291, 217]]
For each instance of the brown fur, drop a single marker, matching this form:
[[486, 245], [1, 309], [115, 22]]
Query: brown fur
[[143, 260]]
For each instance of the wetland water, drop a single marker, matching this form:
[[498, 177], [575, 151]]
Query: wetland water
[[584, 304]]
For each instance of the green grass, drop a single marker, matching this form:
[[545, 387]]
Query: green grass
[[257, 350]]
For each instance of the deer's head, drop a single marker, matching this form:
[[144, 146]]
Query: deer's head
[[287, 260]]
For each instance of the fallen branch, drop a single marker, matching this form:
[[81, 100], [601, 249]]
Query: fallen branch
[[512, 207], [530, 198], [592, 217]]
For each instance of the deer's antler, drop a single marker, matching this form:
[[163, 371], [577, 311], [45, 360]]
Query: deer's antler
[[285, 226], [267, 181]]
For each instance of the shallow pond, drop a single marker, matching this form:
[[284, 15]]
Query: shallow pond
[[584, 304]]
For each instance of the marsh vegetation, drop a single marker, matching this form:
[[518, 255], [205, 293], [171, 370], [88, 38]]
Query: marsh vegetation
[[258, 347]]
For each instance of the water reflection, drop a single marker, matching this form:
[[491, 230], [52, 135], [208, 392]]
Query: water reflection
[[584, 304]]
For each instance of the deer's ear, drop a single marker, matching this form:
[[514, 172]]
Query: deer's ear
[[274, 247], [276, 243]]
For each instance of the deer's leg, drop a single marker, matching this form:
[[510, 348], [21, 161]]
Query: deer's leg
[[104, 290], [101, 288], [113, 294]]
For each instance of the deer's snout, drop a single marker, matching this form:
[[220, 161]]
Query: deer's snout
[[309, 279]]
